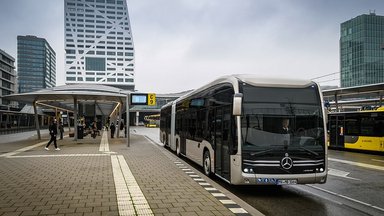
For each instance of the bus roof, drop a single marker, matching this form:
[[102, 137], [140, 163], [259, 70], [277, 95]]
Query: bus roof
[[251, 79], [255, 81]]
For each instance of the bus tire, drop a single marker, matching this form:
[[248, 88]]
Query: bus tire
[[177, 148], [207, 163]]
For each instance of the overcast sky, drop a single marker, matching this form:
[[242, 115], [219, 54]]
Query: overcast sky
[[183, 44]]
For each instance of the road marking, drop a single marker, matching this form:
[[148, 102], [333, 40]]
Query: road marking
[[378, 160], [228, 203], [23, 149], [348, 198], [104, 145], [340, 173], [358, 164], [57, 155], [130, 198]]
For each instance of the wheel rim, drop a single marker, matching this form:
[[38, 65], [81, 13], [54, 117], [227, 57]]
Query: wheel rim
[[177, 148], [207, 164]]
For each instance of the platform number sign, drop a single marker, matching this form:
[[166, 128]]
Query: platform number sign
[[151, 99]]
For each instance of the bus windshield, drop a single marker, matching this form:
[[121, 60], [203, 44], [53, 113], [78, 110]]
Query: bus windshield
[[282, 118]]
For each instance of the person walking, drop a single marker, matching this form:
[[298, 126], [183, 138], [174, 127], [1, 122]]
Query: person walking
[[113, 128], [53, 133]]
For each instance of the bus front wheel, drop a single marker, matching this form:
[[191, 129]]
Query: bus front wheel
[[207, 163]]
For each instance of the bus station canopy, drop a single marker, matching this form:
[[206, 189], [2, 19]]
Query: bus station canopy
[[358, 95], [66, 98], [62, 97]]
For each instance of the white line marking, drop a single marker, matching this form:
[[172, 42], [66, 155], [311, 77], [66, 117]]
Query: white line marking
[[134, 189], [227, 201], [218, 194], [378, 160], [340, 173], [58, 155], [23, 149], [348, 198], [104, 145], [210, 189], [358, 164], [238, 210], [204, 183], [124, 202]]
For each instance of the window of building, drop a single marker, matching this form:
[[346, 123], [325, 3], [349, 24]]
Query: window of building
[[94, 64]]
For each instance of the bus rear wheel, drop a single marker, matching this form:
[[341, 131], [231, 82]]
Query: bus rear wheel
[[177, 148], [207, 163]]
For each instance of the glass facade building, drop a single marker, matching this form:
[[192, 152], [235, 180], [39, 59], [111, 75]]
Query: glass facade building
[[8, 79], [98, 43], [36, 64], [362, 50]]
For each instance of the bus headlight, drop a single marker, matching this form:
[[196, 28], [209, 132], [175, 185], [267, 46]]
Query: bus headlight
[[246, 170]]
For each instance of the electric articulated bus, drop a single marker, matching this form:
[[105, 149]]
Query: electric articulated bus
[[232, 127]]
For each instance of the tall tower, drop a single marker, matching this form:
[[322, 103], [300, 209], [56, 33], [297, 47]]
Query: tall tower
[[98, 43], [8, 80], [36, 64], [362, 50]]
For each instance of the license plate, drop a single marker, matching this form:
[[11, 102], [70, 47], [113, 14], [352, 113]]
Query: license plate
[[286, 181]]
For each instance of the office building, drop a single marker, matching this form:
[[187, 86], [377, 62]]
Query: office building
[[98, 43], [8, 80], [36, 64], [362, 50]]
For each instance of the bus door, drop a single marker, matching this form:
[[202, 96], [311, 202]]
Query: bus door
[[222, 138], [337, 131]]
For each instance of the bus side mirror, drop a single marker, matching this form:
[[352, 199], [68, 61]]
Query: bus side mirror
[[237, 101]]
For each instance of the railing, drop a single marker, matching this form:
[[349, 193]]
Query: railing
[[13, 130]]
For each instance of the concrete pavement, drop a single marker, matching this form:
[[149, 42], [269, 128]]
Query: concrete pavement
[[103, 176]]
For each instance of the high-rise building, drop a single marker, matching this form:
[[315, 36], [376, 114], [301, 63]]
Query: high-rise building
[[98, 43], [362, 50], [8, 79], [36, 64]]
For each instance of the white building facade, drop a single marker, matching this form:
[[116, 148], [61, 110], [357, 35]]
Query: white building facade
[[98, 43]]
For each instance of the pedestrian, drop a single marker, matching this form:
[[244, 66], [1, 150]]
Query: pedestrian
[[113, 128], [121, 132], [94, 129], [53, 133], [61, 129]]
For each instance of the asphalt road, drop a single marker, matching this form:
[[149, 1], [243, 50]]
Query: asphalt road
[[355, 186], [351, 189]]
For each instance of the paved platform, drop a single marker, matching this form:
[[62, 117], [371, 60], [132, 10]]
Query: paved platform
[[103, 176]]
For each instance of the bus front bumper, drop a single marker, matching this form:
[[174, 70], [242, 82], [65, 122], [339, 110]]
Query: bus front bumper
[[268, 179]]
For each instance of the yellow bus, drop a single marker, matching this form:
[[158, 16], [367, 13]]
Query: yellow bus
[[152, 120], [363, 131]]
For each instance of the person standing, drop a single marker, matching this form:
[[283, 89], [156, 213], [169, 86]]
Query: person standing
[[113, 128], [53, 133], [61, 129]]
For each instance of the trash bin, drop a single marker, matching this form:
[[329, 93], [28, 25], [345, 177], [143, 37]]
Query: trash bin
[[80, 132]]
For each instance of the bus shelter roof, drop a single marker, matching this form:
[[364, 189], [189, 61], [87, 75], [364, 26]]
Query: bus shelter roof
[[62, 97]]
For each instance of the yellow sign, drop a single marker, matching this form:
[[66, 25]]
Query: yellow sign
[[151, 99]]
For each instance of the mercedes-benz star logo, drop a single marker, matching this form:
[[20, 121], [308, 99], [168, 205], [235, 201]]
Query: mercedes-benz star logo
[[286, 163]]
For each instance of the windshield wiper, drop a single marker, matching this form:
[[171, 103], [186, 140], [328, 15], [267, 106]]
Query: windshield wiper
[[261, 152], [308, 150]]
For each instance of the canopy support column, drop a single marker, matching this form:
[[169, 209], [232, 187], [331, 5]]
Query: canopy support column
[[128, 120], [120, 119], [75, 117], [36, 121]]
